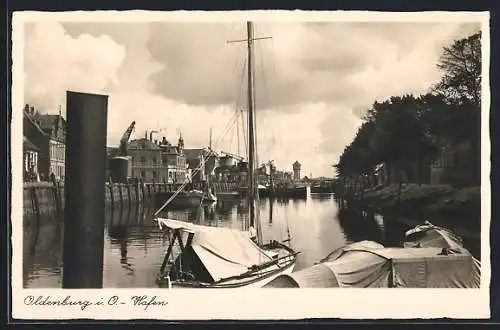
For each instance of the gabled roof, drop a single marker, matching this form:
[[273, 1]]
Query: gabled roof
[[28, 145], [32, 121], [47, 121]]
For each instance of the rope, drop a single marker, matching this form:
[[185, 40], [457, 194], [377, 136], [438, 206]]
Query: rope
[[202, 164]]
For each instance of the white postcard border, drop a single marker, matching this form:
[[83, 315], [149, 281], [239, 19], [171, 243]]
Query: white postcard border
[[248, 303]]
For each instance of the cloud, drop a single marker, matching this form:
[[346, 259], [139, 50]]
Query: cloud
[[315, 80], [55, 62]]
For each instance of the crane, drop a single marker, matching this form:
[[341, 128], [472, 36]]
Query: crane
[[124, 140]]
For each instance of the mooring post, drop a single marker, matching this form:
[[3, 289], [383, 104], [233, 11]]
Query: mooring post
[[55, 191], [84, 190]]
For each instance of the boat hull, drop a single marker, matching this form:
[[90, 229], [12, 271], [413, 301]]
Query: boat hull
[[183, 199], [321, 190], [257, 279], [254, 283]]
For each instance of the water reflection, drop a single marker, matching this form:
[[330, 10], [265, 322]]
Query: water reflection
[[134, 247], [359, 225]]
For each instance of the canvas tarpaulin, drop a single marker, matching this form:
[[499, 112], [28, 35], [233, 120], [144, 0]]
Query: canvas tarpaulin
[[428, 235], [224, 252], [366, 264], [350, 266]]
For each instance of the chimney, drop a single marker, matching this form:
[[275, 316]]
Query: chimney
[[27, 108]]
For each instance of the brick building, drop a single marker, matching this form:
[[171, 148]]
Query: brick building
[[48, 134], [30, 161], [158, 160]]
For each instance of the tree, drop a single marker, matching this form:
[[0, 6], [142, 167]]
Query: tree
[[398, 131], [461, 87], [461, 66], [402, 130]]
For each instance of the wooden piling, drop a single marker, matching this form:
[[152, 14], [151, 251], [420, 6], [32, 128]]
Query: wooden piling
[[129, 194], [84, 190], [121, 194], [111, 195], [56, 194], [36, 205], [143, 197]]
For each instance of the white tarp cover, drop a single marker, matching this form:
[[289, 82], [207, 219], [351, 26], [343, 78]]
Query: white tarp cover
[[349, 266], [427, 268], [368, 264], [428, 235], [224, 252], [360, 269]]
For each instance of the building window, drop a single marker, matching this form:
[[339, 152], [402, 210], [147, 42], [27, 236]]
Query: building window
[[154, 160], [143, 174], [143, 160], [154, 174]]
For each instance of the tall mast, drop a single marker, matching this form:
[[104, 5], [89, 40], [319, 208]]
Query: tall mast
[[251, 138], [210, 138], [252, 188], [237, 132]]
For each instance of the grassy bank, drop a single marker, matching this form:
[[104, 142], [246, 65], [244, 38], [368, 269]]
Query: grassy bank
[[440, 204]]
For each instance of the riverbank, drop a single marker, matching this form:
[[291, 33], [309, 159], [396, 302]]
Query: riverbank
[[441, 204]]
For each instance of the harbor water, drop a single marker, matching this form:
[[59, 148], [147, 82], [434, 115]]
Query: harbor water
[[134, 247]]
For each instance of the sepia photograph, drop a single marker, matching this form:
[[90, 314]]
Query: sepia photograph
[[266, 151]]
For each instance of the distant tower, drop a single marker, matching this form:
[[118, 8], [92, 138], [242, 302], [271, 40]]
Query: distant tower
[[296, 170], [180, 145]]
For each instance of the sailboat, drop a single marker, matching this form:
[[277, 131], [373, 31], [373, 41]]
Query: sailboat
[[216, 257]]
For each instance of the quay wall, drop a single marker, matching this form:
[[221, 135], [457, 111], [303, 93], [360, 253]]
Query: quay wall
[[47, 197]]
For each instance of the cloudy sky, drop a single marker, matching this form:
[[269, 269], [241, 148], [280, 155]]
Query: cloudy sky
[[313, 80]]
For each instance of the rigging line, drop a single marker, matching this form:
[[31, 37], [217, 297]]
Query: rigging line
[[265, 89], [180, 188], [244, 132], [238, 105], [255, 200], [256, 158], [234, 73], [210, 153]]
